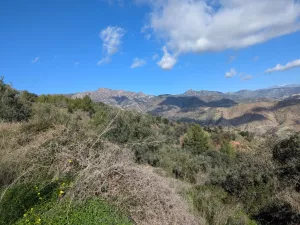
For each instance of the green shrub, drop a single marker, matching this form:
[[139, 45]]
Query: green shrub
[[92, 212], [21, 198], [45, 116], [131, 127], [278, 212], [227, 149], [147, 154], [196, 140], [287, 151], [247, 135], [85, 104], [45, 204], [11, 106], [252, 182], [287, 155], [213, 204]]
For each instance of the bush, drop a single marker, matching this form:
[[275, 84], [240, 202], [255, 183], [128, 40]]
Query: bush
[[252, 182], [278, 212], [227, 149], [287, 151], [91, 212], [85, 104], [29, 204], [44, 116], [11, 106], [147, 154], [196, 140], [21, 198], [131, 127], [214, 204], [287, 155], [247, 135]]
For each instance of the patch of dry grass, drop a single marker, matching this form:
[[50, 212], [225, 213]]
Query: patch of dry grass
[[100, 169]]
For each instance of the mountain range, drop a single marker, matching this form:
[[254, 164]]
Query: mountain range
[[274, 109]]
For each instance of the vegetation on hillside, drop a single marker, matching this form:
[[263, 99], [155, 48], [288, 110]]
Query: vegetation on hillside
[[72, 161]]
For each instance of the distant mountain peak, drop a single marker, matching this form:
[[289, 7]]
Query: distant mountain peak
[[190, 92], [284, 86]]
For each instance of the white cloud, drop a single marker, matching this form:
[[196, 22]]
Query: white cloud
[[35, 60], [247, 77], [288, 66], [231, 73], [104, 61], [138, 63], [111, 38], [198, 26], [155, 56], [168, 61]]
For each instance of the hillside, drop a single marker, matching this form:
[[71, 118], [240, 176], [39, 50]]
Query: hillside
[[265, 110], [74, 161]]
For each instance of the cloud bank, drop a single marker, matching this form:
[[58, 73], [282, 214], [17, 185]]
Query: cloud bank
[[288, 66], [201, 26]]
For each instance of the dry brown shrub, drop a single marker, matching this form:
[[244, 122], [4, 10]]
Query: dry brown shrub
[[104, 170], [108, 171]]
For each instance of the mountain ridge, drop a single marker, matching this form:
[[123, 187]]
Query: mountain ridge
[[261, 110]]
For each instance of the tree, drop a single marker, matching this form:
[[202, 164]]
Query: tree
[[196, 140]]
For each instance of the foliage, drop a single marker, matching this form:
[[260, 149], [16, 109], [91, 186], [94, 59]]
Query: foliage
[[227, 149], [12, 108], [84, 104], [100, 145], [91, 212], [196, 140], [246, 134], [278, 212], [213, 203], [252, 182], [287, 155], [29, 204], [287, 151], [131, 127], [21, 198]]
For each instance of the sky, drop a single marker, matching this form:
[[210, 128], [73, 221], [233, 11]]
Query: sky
[[150, 46]]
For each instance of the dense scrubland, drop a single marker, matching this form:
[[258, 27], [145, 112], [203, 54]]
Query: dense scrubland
[[73, 161]]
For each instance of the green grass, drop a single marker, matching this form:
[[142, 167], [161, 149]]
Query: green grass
[[92, 212], [29, 204]]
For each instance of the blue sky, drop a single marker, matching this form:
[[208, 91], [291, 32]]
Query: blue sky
[[57, 46]]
